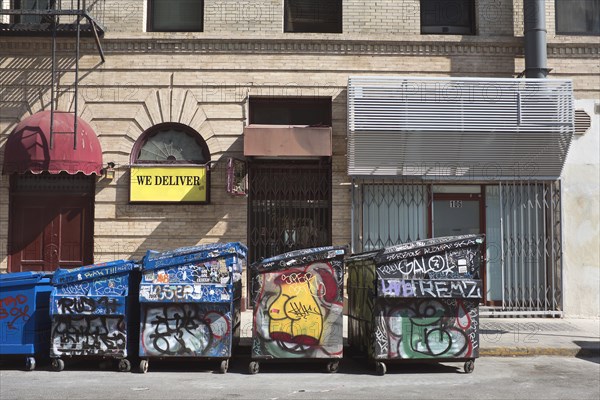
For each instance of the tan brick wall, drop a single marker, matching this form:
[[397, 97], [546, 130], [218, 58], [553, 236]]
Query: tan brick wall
[[150, 78], [265, 17]]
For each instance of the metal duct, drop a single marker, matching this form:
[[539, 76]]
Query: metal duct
[[534, 29]]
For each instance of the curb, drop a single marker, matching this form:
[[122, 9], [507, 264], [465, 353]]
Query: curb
[[539, 351]]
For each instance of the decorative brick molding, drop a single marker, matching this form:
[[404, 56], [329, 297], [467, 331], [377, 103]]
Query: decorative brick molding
[[172, 105], [509, 47]]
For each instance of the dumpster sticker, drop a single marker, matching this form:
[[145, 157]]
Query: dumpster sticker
[[186, 330], [185, 293], [427, 329], [88, 335], [14, 309], [299, 312], [215, 271]]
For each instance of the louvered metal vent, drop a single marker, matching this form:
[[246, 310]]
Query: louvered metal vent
[[462, 128], [583, 122]]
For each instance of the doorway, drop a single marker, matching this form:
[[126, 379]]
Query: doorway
[[51, 222], [459, 210], [289, 207]]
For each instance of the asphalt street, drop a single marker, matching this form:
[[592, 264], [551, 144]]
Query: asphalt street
[[540, 377]]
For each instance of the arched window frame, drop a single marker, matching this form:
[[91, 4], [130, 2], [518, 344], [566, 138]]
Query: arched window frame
[[167, 126]]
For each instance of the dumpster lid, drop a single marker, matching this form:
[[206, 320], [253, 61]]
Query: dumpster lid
[[92, 272], [425, 246], [22, 278], [297, 257], [155, 259]]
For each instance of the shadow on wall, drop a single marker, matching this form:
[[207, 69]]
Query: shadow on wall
[[172, 225], [492, 18]]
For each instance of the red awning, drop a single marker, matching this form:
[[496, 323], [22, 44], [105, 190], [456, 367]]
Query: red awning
[[28, 146]]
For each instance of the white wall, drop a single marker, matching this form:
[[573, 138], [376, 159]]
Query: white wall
[[581, 216]]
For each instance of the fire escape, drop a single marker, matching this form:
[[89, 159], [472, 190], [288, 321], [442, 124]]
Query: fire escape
[[65, 22]]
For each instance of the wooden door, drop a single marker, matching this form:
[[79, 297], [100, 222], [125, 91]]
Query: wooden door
[[50, 229]]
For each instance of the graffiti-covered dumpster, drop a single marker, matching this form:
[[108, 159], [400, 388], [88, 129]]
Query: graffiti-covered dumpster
[[24, 316], [416, 301], [93, 313], [190, 302], [298, 307]]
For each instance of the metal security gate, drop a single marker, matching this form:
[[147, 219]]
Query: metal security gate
[[524, 244], [289, 206], [387, 213], [523, 265]]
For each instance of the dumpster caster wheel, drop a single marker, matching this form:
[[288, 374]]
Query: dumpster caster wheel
[[143, 366], [380, 368], [58, 364], [124, 365], [469, 366], [224, 366], [333, 366], [30, 363], [254, 367]]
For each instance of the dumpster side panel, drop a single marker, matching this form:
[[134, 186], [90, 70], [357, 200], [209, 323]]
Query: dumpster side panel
[[186, 330], [85, 335], [426, 329], [190, 301], [298, 312], [25, 318], [361, 304], [90, 308]]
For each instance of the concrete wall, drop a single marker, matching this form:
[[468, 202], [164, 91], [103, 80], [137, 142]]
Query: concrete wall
[[581, 208]]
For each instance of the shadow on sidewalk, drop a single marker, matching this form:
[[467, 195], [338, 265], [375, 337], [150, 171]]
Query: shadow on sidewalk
[[589, 350]]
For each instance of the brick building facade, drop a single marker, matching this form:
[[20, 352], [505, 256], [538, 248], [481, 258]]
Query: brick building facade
[[205, 79]]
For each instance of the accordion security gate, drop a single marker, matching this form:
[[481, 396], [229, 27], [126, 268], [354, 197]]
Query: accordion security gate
[[523, 236], [289, 207]]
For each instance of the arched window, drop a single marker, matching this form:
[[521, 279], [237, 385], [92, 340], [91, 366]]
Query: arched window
[[170, 143]]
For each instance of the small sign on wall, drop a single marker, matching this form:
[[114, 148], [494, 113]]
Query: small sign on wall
[[456, 203], [168, 184]]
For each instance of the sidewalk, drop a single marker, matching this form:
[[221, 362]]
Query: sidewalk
[[514, 336]]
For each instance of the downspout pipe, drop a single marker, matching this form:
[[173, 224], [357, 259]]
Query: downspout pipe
[[534, 29]]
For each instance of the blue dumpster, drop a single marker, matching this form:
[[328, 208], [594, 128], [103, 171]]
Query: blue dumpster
[[24, 315], [190, 303], [93, 313], [298, 307], [417, 301]]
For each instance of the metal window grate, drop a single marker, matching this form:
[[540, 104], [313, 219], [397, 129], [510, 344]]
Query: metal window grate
[[289, 207]]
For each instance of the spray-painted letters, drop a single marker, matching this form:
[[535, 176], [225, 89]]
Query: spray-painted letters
[[88, 305], [14, 309], [298, 311], [88, 335], [424, 288], [186, 330]]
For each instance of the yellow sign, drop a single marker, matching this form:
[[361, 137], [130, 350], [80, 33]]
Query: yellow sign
[[170, 184]]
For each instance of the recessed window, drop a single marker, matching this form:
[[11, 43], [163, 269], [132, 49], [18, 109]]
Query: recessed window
[[175, 15], [313, 111], [448, 17], [170, 143], [577, 17], [322, 16], [32, 5]]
